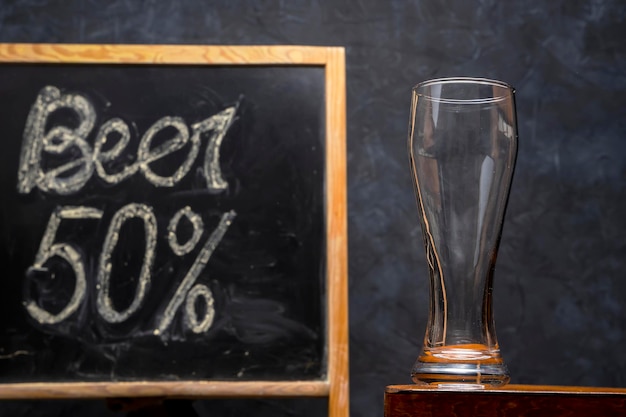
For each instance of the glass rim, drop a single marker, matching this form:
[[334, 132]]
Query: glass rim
[[465, 80]]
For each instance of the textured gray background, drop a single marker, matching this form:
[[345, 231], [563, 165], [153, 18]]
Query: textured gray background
[[560, 288]]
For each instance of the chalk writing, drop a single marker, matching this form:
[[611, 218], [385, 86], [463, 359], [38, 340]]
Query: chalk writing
[[48, 249], [198, 226], [193, 273], [186, 291], [104, 304], [56, 141], [76, 161], [199, 290], [72, 175]]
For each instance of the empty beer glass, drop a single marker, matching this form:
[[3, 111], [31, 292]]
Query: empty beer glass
[[462, 146]]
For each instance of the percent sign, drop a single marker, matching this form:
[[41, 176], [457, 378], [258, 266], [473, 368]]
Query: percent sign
[[187, 291]]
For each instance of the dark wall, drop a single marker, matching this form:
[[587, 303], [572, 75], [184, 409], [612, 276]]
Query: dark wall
[[560, 287]]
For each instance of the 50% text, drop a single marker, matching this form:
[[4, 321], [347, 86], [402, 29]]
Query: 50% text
[[187, 292]]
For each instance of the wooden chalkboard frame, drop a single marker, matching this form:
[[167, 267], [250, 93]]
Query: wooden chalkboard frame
[[332, 59]]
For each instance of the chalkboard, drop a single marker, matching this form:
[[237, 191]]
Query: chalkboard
[[172, 221]]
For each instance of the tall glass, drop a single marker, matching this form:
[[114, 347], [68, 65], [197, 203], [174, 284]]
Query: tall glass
[[462, 148]]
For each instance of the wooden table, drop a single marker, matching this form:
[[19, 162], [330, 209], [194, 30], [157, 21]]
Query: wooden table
[[508, 401]]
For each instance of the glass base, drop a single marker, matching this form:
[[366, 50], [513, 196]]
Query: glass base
[[457, 367]]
